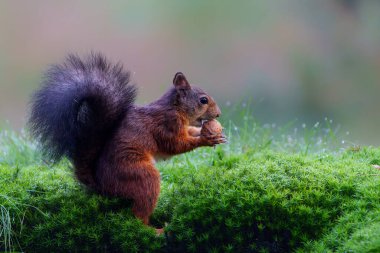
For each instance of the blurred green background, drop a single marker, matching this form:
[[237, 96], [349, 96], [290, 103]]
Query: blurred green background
[[294, 59]]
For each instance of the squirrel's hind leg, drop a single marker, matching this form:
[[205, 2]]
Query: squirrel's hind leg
[[144, 190], [140, 182]]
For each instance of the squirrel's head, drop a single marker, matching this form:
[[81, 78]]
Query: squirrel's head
[[195, 103]]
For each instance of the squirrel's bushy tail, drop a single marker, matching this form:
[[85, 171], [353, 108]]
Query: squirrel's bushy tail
[[78, 107]]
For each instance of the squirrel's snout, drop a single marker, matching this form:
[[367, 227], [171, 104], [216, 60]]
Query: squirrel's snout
[[218, 112]]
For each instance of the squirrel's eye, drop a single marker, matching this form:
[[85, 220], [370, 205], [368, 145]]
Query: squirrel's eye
[[204, 100]]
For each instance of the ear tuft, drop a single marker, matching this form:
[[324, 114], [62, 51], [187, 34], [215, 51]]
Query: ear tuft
[[180, 82]]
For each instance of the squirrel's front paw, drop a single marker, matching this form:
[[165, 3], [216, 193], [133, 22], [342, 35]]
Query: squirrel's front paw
[[212, 133], [213, 139]]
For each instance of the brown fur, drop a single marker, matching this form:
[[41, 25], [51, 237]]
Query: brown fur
[[159, 130]]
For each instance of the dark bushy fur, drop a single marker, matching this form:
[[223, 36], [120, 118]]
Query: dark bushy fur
[[79, 105]]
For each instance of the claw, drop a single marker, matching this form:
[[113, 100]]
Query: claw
[[215, 139]]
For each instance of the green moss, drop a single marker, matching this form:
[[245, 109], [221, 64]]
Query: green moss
[[245, 199], [49, 211], [268, 201]]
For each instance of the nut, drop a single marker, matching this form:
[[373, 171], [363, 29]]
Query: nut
[[211, 127]]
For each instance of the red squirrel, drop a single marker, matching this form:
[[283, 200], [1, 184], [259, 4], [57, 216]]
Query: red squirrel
[[85, 111]]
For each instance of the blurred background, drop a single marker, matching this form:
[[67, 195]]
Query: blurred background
[[287, 60]]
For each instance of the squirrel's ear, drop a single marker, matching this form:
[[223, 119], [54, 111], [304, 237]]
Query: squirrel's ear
[[180, 82]]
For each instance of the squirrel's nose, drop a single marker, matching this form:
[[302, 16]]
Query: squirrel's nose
[[218, 112]]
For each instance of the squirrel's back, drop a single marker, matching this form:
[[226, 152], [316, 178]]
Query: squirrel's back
[[78, 107]]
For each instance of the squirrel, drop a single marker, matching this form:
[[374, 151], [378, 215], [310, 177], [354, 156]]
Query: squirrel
[[85, 111]]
